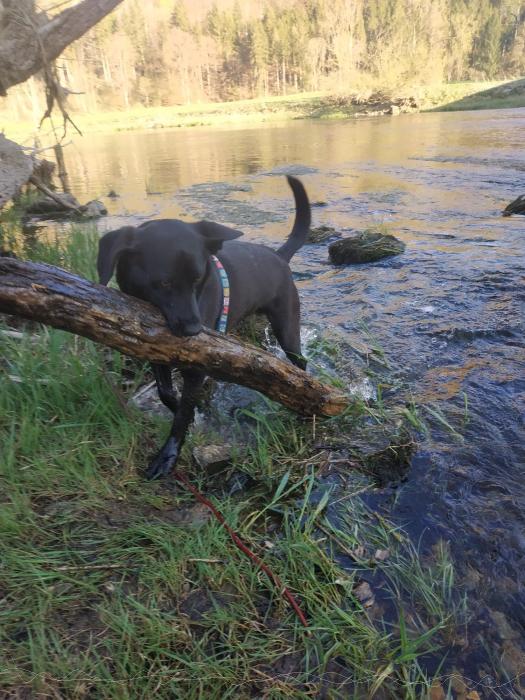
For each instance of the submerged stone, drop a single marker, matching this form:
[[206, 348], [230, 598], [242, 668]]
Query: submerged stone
[[384, 453], [368, 246]]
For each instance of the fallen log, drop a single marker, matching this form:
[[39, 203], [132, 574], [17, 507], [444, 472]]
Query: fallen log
[[62, 202], [63, 300]]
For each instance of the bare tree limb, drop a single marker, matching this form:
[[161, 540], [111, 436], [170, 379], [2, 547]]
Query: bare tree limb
[[29, 41], [60, 299]]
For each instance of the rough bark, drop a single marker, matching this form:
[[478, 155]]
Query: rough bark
[[60, 299], [15, 169], [29, 39]]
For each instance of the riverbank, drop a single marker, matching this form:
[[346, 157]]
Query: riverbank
[[318, 105], [117, 587]]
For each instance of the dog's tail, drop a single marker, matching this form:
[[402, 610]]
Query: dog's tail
[[303, 219]]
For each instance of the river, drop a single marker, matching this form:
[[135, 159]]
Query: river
[[449, 312]]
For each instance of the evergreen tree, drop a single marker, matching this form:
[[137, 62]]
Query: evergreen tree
[[487, 51], [179, 16]]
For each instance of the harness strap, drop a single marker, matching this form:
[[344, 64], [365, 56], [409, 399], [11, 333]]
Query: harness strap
[[222, 321]]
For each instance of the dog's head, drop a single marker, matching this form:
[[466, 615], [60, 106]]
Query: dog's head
[[164, 262]]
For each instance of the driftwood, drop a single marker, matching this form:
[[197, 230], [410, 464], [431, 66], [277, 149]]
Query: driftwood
[[63, 300]]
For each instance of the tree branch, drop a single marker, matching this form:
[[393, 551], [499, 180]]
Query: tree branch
[[60, 299], [28, 42]]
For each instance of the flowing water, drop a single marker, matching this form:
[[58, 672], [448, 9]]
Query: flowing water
[[449, 312]]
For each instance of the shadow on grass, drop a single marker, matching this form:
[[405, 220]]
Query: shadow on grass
[[507, 95]]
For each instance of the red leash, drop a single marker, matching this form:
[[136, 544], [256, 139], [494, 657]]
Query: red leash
[[240, 544]]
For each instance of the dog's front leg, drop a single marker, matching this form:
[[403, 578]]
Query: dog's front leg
[[167, 457], [164, 381]]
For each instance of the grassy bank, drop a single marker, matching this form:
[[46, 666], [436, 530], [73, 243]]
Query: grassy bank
[[114, 587], [454, 96], [215, 114], [474, 96]]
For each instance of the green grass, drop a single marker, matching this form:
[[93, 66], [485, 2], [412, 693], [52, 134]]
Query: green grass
[[464, 96], [216, 114], [114, 587], [306, 105]]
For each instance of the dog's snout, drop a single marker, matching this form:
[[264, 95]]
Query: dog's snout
[[183, 327]]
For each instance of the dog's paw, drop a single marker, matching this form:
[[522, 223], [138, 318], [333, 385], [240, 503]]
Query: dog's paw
[[164, 461]]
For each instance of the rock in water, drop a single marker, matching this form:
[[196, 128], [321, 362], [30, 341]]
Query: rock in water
[[515, 207], [320, 234], [368, 246], [93, 209]]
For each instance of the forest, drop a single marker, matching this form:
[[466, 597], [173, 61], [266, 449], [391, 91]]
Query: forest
[[168, 52]]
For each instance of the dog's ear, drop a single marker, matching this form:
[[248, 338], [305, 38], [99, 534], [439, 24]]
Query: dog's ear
[[216, 234], [110, 247]]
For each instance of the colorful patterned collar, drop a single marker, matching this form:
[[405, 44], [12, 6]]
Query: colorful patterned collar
[[225, 308]]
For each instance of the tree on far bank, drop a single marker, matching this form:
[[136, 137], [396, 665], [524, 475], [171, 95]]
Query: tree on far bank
[[166, 52]]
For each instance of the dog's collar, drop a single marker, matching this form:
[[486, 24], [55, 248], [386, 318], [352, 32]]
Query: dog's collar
[[222, 321]]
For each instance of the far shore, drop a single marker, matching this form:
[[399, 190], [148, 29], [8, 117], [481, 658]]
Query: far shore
[[312, 105]]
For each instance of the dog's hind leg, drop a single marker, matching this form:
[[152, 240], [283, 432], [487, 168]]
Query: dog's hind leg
[[164, 381], [284, 319], [168, 455]]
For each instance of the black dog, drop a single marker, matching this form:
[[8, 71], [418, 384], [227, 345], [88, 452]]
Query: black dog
[[171, 264]]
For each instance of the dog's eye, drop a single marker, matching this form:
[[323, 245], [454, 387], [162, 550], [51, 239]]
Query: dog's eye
[[160, 284]]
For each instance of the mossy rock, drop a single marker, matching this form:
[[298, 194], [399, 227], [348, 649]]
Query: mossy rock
[[515, 207], [320, 234], [368, 246], [389, 462]]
